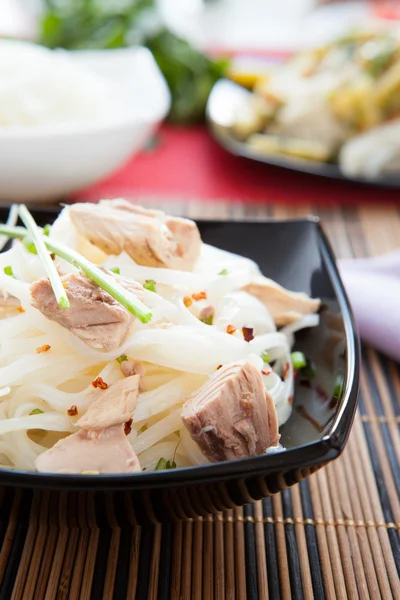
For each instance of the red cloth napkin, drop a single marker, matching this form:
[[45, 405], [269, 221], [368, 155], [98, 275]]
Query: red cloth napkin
[[188, 163]]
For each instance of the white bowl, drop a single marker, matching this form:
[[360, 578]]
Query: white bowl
[[45, 163]]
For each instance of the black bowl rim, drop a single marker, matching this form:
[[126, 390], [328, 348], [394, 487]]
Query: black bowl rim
[[312, 454]]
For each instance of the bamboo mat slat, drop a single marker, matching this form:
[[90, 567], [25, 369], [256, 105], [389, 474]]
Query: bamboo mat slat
[[334, 535]]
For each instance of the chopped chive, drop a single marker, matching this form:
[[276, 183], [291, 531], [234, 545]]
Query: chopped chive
[[164, 464], [121, 358], [308, 371], [298, 360], [115, 270], [29, 245], [46, 229], [9, 271], [94, 273], [339, 387], [150, 285], [207, 320], [12, 220], [161, 465], [223, 272], [36, 411], [50, 268], [265, 356]]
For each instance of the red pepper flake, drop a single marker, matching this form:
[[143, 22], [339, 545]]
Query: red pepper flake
[[128, 427], [73, 411], [99, 383], [20, 309], [199, 296], [187, 301], [230, 329], [290, 399], [266, 371], [44, 348], [218, 368], [248, 333], [285, 371]]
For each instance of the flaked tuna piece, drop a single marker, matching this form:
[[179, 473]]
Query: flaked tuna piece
[[150, 237], [94, 316], [284, 306], [111, 406], [103, 451], [134, 367], [232, 415]]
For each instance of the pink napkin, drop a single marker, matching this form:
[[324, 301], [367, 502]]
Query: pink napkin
[[373, 287]]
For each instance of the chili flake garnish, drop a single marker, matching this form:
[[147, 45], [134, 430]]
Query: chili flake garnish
[[187, 301], [128, 427], [285, 370], [230, 329], [73, 411], [44, 348], [99, 383], [290, 399], [20, 309], [248, 333], [199, 296], [266, 371]]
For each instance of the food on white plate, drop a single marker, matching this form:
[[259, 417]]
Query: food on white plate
[[373, 153], [41, 87], [338, 102], [114, 358]]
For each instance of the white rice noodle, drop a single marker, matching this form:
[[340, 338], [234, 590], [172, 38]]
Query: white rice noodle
[[157, 432]]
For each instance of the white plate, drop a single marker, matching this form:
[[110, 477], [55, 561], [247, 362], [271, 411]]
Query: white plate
[[44, 163]]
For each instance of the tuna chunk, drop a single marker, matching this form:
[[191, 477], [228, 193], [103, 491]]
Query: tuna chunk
[[112, 406], [150, 237], [104, 451], [232, 415], [284, 306], [94, 316]]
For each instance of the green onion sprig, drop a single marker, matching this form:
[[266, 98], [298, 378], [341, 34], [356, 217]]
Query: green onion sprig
[[107, 282], [50, 268]]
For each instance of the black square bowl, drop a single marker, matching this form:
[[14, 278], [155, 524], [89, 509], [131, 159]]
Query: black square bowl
[[297, 255]]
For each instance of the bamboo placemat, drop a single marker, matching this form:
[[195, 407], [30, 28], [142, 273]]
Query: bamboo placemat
[[334, 535]]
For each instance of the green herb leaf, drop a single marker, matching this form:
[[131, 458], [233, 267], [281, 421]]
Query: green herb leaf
[[308, 371], [339, 388], [46, 229], [29, 245], [150, 285], [223, 272], [265, 356], [9, 271], [115, 270], [207, 320], [298, 360], [122, 358], [161, 465], [36, 411], [94, 24], [164, 465]]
